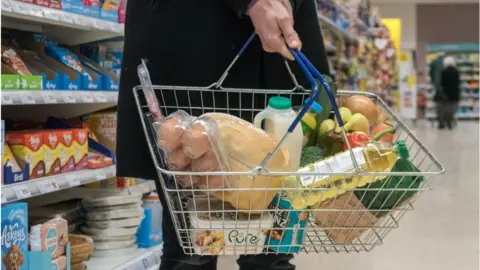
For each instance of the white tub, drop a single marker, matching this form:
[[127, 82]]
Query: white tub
[[236, 234]]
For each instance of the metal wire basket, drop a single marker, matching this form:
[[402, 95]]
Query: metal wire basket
[[344, 222]]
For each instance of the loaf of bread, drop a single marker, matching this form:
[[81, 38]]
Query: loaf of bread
[[245, 147]]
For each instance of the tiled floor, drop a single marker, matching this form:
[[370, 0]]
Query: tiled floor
[[442, 233]]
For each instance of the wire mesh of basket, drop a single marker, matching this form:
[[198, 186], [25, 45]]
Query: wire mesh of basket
[[262, 211]]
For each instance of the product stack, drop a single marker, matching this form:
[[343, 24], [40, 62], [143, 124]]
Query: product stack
[[112, 222], [36, 63]]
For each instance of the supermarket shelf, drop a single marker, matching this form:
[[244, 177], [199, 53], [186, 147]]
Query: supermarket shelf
[[20, 97], [44, 185], [142, 259], [65, 27], [324, 21]]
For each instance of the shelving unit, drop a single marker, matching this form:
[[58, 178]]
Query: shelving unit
[[142, 259], [65, 27], [43, 97]]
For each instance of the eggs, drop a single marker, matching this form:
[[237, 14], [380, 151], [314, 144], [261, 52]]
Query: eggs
[[188, 147]]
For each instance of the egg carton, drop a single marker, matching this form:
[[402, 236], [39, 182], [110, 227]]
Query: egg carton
[[110, 231], [114, 214], [114, 245], [114, 223], [112, 200], [115, 253]]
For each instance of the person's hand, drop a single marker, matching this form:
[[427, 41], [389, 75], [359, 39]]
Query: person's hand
[[273, 21]]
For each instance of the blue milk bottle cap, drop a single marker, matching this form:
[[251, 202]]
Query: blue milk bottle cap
[[315, 106]]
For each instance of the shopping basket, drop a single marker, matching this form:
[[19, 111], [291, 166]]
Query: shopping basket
[[345, 222]]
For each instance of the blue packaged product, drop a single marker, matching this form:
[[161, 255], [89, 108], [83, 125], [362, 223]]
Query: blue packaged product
[[15, 236], [287, 233], [75, 6], [115, 57]]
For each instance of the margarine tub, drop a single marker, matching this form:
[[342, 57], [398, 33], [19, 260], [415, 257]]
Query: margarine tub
[[235, 234]]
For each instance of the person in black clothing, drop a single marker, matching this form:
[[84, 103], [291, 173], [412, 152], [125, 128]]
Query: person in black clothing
[[191, 43], [448, 95]]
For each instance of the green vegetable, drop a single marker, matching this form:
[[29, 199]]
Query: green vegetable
[[386, 197], [324, 100], [310, 155]]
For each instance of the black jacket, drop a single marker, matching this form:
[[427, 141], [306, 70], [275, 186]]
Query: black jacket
[[191, 43], [450, 83]]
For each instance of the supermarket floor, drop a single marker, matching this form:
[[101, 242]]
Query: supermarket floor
[[442, 233]]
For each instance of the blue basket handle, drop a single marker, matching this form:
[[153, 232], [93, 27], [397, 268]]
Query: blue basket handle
[[324, 83]]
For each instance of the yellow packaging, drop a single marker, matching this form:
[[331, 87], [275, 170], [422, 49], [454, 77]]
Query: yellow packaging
[[67, 152], [104, 127], [28, 147], [9, 159]]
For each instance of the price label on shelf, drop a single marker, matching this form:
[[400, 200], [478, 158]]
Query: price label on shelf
[[51, 15], [100, 97], [68, 98], [49, 98], [145, 263], [47, 186], [87, 98], [7, 99], [79, 20], [20, 8], [152, 260], [6, 6], [4, 198], [100, 174], [35, 11], [66, 18], [27, 99], [22, 192], [73, 180]]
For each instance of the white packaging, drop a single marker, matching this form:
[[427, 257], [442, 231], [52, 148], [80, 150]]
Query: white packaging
[[236, 233], [278, 117]]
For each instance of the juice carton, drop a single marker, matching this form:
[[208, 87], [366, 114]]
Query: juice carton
[[80, 146], [27, 147], [14, 228], [52, 152], [67, 160]]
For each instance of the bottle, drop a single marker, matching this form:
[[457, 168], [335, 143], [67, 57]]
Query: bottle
[[373, 157], [278, 117], [309, 123]]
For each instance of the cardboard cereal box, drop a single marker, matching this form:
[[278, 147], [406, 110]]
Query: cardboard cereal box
[[52, 152], [80, 146], [65, 146], [27, 147], [14, 228]]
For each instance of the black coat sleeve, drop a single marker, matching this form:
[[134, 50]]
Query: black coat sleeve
[[240, 6]]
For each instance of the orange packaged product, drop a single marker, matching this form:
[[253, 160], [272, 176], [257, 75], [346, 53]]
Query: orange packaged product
[[28, 147], [80, 148], [52, 152], [67, 159]]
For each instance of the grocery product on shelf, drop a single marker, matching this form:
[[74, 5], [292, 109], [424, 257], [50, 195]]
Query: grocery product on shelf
[[27, 147], [52, 152], [14, 227], [10, 58], [374, 157], [80, 250], [67, 153], [80, 148], [68, 210], [50, 236], [150, 231], [103, 125], [112, 221], [223, 233], [278, 117]]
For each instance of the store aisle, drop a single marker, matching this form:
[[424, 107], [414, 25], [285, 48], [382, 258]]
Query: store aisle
[[442, 234]]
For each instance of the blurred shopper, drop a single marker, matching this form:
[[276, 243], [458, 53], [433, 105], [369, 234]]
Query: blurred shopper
[[448, 94]]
